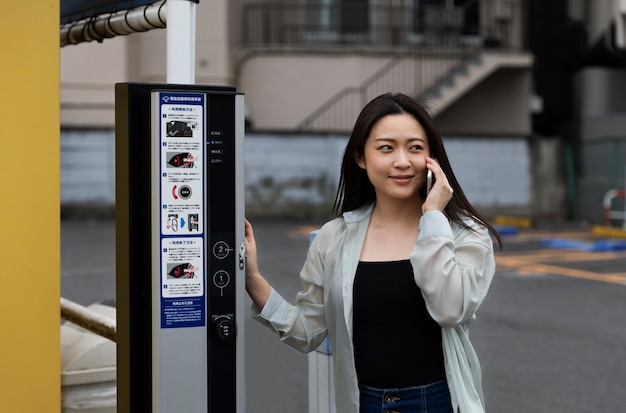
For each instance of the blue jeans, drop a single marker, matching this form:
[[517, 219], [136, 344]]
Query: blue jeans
[[431, 398]]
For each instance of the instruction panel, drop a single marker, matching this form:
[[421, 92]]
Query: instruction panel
[[182, 174]]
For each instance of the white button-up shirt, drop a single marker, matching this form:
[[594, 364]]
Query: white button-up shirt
[[453, 266]]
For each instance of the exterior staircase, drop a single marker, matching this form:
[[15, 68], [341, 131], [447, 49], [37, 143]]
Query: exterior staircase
[[436, 80], [469, 74]]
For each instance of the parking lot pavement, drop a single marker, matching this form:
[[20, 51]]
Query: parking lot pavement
[[88, 254], [550, 334]]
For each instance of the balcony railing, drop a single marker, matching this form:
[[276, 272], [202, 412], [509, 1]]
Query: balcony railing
[[380, 25], [426, 45], [413, 72]]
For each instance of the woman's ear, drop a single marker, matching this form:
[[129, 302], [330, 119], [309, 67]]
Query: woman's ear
[[360, 160]]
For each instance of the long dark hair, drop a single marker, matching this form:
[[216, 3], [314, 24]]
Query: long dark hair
[[355, 188]]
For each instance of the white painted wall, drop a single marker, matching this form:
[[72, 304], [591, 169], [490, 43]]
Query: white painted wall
[[493, 172], [288, 174], [88, 167]]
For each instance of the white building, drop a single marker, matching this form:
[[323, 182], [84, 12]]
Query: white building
[[306, 68]]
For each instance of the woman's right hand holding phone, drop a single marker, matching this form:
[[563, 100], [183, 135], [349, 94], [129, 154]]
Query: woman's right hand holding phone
[[441, 192]]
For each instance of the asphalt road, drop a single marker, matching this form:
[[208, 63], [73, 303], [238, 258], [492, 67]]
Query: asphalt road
[[551, 334]]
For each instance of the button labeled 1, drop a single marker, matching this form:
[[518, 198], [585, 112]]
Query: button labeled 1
[[221, 279]]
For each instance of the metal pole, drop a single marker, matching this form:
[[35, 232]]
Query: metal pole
[[181, 41], [88, 319]]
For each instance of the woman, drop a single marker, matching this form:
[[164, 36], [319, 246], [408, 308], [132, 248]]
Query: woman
[[396, 278]]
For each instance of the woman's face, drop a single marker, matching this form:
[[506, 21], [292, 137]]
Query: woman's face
[[394, 157]]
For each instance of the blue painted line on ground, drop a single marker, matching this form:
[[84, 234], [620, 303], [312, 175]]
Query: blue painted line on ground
[[590, 246], [506, 230]]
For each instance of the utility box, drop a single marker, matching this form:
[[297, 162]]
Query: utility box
[[179, 248]]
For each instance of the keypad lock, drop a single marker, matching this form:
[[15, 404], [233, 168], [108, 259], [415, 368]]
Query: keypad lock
[[224, 326]]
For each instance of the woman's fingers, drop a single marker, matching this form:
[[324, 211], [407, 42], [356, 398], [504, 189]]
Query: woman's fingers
[[441, 191], [250, 244]]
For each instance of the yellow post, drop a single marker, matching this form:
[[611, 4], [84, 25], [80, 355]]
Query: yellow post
[[29, 211]]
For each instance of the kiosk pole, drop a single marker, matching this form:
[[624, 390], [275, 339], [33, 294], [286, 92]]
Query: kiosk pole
[[181, 41], [179, 259]]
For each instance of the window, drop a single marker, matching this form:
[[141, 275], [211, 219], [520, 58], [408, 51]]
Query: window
[[353, 16], [443, 21], [336, 20]]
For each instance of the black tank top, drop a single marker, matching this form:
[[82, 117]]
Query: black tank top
[[396, 341]]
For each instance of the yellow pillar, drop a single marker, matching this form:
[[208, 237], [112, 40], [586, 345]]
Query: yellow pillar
[[29, 208]]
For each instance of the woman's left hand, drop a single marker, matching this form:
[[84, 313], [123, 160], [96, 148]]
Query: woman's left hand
[[441, 192]]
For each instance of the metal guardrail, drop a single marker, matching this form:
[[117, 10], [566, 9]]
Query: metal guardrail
[[89, 320]]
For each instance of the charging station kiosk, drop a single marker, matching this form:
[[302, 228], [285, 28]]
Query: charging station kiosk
[[179, 248]]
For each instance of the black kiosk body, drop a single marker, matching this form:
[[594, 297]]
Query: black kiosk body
[[179, 248]]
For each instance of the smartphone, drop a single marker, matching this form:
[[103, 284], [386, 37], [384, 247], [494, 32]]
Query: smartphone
[[429, 181]]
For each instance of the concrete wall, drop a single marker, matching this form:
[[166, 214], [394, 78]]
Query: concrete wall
[[289, 175], [88, 170], [548, 165], [283, 89], [88, 75]]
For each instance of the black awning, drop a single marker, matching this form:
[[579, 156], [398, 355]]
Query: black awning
[[75, 10]]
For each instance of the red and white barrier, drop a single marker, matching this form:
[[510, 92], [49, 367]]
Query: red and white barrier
[[607, 203]]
